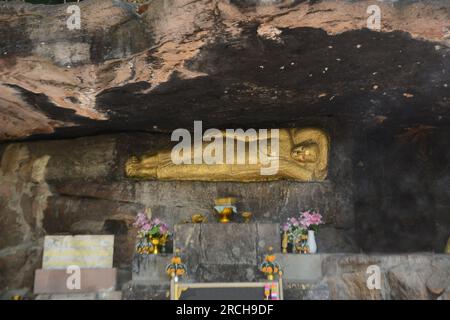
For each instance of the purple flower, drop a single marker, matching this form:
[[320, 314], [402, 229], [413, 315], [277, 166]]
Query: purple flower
[[144, 224], [141, 220], [309, 218], [163, 228]]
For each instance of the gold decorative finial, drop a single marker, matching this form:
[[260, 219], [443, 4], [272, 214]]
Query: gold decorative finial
[[247, 216]]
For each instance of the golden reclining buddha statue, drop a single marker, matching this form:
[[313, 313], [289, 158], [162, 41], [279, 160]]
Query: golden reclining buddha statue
[[302, 155]]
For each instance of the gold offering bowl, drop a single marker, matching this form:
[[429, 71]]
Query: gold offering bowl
[[224, 215], [225, 208], [198, 218], [247, 216]]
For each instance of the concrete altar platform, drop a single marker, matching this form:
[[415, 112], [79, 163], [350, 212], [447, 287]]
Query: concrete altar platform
[[217, 252]]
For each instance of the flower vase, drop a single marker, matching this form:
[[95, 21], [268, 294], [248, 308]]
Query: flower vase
[[312, 242]]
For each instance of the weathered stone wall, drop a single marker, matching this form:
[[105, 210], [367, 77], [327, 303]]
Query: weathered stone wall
[[401, 179], [78, 186]]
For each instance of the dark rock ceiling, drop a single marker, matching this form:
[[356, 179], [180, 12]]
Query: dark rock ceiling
[[228, 66]]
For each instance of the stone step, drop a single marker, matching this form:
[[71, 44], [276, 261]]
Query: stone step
[[138, 290], [105, 295], [150, 268], [91, 281], [301, 267]]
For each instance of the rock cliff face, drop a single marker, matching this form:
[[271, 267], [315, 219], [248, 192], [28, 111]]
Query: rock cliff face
[[85, 100]]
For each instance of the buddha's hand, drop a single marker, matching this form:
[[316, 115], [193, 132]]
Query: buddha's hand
[[132, 167]]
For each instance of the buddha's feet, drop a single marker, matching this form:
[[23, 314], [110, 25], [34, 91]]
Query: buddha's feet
[[136, 168], [132, 167]]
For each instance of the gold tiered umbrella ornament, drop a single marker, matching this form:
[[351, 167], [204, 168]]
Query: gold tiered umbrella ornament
[[269, 266], [176, 268]]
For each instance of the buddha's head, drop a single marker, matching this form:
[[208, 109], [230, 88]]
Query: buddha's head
[[307, 152]]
